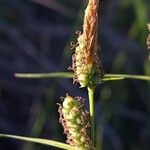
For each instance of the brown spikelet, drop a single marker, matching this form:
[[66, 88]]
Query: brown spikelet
[[85, 62], [90, 26]]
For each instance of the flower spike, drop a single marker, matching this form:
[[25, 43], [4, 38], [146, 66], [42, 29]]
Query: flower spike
[[85, 62], [75, 123]]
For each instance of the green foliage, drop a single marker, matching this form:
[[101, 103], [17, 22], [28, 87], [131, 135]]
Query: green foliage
[[38, 140]]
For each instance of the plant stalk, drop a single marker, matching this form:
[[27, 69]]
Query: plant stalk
[[91, 90]]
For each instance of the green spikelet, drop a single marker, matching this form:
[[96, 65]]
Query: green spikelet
[[74, 121]]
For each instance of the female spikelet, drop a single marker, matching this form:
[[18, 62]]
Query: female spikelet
[[74, 120]]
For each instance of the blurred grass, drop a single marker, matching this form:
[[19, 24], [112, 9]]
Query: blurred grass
[[35, 38]]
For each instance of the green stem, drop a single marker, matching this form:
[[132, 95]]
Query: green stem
[[91, 107], [127, 76], [44, 75]]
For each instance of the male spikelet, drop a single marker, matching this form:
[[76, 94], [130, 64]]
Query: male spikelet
[[85, 63], [74, 121]]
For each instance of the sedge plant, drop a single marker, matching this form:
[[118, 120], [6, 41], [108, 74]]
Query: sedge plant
[[87, 72]]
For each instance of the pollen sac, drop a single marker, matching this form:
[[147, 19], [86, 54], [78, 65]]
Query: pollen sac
[[74, 120]]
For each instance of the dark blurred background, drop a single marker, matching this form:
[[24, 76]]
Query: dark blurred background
[[35, 36]]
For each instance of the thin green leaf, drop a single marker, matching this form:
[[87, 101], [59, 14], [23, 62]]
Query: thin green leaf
[[44, 75], [126, 76], [111, 78], [38, 140], [106, 77]]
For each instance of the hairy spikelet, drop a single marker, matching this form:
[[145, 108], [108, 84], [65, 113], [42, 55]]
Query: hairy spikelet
[[74, 121], [85, 63]]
